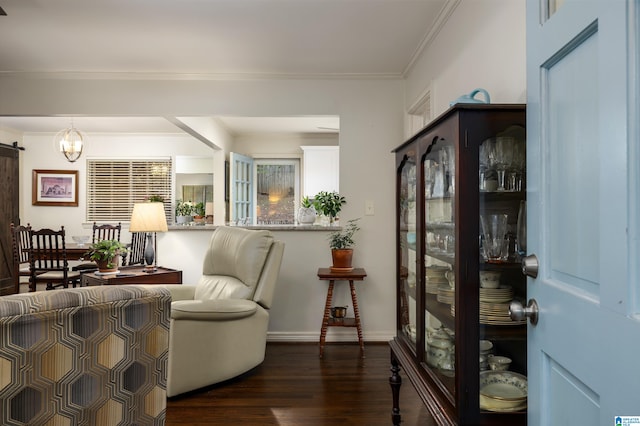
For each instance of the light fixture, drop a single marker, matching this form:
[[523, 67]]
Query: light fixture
[[70, 142], [149, 218]]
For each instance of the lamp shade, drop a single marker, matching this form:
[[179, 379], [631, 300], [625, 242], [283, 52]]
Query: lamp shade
[[148, 217]]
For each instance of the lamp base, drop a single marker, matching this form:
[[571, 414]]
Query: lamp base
[[149, 269]]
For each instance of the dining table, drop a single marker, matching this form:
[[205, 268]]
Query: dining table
[[76, 251]]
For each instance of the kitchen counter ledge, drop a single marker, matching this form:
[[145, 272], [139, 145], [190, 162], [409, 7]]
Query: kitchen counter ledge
[[267, 227]]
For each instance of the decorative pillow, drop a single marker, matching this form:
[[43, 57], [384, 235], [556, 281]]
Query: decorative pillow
[[234, 252]]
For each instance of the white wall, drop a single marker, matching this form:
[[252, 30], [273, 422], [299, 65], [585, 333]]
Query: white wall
[[272, 144], [371, 125], [481, 45]]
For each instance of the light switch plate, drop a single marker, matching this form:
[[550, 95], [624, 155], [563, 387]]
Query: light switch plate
[[368, 208]]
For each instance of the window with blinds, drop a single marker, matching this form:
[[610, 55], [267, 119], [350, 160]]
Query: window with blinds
[[113, 186]]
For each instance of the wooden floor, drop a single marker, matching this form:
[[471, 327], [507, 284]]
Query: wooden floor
[[293, 387]]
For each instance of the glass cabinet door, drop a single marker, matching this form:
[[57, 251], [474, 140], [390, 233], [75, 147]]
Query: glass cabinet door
[[408, 248], [438, 170], [502, 241]]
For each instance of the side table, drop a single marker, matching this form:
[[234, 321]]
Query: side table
[[134, 275], [357, 274]]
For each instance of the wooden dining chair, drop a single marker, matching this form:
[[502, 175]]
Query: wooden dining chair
[[106, 232], [20, 244], [48, 260], [135, 253], [100, 232]]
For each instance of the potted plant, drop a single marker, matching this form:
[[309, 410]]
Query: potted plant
[[106, 254], [329, 204], [341, 244], [154, 199], [184, 211], [198, 213], [307, 212]]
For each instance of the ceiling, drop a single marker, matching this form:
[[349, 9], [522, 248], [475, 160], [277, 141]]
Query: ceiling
[[234, 125], [213, 39]]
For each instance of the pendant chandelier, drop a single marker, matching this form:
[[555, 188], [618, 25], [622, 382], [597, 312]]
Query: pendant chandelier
[[70, 142]]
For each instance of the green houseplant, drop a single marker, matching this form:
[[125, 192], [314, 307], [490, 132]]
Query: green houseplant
[[106, 254], [184, 211], [341, 244], [198, 213], [307, 212], [199, 210], [329, 204]]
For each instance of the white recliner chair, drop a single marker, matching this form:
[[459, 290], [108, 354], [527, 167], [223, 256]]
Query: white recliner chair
[[219, 326]]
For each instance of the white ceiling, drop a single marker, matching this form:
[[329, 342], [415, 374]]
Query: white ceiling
[[213, 38]]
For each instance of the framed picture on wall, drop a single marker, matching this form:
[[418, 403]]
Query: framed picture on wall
[[54, 188]]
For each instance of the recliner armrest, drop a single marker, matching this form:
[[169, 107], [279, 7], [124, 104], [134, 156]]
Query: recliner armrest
[[213, 310], [179, 292]]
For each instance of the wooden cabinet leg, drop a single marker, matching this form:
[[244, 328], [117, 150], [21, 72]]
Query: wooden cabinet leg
[[395, 381], [325, 318]]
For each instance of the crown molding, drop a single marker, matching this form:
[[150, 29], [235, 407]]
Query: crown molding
[[440, 21], [150, 76]]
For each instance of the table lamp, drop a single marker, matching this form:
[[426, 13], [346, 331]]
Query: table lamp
[[149, 217]]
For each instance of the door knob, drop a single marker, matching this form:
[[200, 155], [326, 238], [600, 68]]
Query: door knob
[[517, 312], [530, 266]]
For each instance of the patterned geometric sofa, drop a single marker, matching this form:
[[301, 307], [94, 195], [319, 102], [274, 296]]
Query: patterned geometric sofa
[[84, 356]]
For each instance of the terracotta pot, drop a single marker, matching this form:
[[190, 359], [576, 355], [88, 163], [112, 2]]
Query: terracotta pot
[[103, 265], [342, 259]]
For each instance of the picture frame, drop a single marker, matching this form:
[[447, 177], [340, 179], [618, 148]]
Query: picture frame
[[54, 188]]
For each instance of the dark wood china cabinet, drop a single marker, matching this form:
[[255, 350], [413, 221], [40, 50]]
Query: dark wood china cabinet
[[460, 232]]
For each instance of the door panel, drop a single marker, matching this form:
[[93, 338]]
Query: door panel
[[241, 191], [571, 400], [573, 171], [9, 176], [581, 370]]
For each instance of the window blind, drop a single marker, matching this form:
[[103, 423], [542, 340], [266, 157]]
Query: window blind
[[113, 186]]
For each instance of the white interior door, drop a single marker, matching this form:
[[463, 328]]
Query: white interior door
[[241, 188], [582, 172]]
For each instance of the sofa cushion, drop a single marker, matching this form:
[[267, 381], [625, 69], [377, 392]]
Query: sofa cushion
[[213, 310], [84, 356], [239, 253]]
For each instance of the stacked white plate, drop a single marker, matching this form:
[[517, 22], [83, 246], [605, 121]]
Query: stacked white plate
[[503, 391], [494, 306], [446, 294], [435, 278], [502, 294]]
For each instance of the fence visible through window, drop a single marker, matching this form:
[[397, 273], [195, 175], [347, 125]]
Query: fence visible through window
[[276, 193]]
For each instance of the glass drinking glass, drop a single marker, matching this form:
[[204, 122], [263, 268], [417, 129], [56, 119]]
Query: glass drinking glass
[[521, 229], [495, 245], [518, 163], [486, 161], [504, 157]]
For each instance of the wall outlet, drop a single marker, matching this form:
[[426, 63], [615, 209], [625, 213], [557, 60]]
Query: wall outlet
[[368, 208]]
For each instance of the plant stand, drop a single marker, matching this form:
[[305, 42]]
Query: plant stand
[[357, 274]]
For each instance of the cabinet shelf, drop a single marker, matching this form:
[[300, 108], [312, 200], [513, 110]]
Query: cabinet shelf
[[442, 256], [442, 311], [342, 322]]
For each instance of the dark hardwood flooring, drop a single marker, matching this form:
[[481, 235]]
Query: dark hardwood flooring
[[294, 387]]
